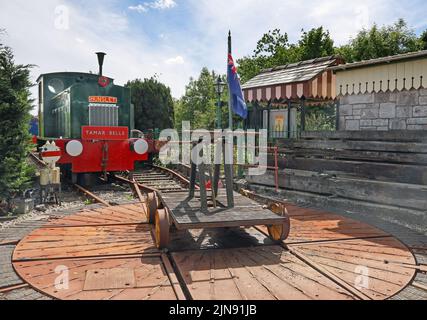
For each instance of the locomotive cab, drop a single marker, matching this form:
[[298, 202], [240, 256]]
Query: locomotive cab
[[90, 119]]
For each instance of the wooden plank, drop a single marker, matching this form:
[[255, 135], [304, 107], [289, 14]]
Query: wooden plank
[[173, 278], [395, 135], [382, 146], [398, 194], [411, 174], [151, 281], [57, 243], [360, 155], [117, 215], [262, 273], [348, 261]]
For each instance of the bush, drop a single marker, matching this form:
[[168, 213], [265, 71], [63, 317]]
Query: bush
[[15, 140]]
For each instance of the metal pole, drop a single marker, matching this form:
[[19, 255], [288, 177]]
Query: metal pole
[[289, 119], [337, 115], [302, 114]]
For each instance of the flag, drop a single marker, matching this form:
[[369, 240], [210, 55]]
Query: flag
[[237, 101]]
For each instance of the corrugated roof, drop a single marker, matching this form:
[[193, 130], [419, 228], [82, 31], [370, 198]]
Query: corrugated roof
[[291, 73], [396, 58]]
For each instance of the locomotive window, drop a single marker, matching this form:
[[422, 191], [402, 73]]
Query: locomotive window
[[55, 86]]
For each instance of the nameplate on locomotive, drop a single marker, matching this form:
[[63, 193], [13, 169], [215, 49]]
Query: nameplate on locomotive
[[105, 133]]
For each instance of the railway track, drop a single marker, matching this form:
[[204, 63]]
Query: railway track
[[319, 260], [34, 158]]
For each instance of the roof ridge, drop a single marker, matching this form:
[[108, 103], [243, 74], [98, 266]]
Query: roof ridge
[[386, 59], [300, 63]]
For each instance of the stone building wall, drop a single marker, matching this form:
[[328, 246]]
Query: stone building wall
[[404, 110]]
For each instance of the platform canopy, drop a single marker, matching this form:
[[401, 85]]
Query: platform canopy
[[310, 79]]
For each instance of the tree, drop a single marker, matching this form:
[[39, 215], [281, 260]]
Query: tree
[[423, 39], [15, 140], [153, 104], [315, 43], [380, 42], [198, 105], [274, 49]]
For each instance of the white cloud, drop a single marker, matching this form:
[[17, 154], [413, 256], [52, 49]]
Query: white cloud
[[162, 4], [157, 5], [139, 8], [176, 60]]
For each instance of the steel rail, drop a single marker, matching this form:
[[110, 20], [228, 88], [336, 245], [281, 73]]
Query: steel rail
[[91, 195]]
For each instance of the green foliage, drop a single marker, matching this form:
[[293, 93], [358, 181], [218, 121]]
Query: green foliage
[[320, 118], [15, 141], [199, 103], [274, 49], [153, 104], [423, 40], [314, 44], [380, 42]]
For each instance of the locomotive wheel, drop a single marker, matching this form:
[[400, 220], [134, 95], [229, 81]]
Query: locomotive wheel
[[162, 228], [152, 206], [280, 232]]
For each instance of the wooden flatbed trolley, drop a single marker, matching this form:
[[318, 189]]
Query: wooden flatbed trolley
[[224, 208]]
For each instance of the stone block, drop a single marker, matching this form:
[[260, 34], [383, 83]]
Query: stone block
[[346, 110], [368, 128], [423, 100], [382, 97], [359, 106], [380, 122], [397, 124], [360, 98], [419, 111], [370, 113], [407, 98], [357, 112], [404, 112], [352, 125], [423, 92], [420, 121], [365, 123], [387, 110], [416, 127]]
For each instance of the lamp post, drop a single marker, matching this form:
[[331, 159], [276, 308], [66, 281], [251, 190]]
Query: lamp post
[[219, 88]]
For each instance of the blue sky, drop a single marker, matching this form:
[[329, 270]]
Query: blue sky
[[175, 38]]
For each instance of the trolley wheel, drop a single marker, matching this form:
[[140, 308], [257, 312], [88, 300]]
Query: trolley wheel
[[152, 206], [280, 232], [162, 228]]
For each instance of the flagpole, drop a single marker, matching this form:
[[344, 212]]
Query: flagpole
[[228, 165], [230, 112]]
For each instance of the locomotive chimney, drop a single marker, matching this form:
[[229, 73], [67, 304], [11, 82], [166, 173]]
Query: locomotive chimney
[[101, 56]]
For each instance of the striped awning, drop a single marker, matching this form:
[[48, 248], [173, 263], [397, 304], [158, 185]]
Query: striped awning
[[311, 79]]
